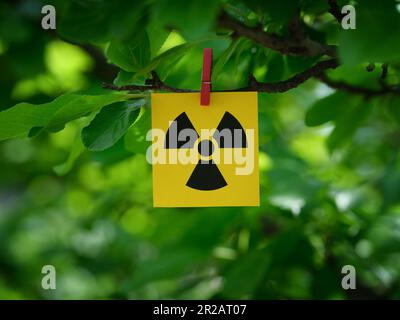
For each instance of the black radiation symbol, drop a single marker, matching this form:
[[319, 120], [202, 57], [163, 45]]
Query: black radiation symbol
[[206, 175]]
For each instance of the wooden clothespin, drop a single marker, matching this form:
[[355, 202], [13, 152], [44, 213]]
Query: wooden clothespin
[[206, 77]]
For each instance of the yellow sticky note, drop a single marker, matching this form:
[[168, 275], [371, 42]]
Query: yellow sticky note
[[205, 156]]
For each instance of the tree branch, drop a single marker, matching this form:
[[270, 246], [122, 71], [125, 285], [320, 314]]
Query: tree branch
[[294, 81], [287, 46], [334, 10], [367, 92], [384, 71], [153, 84], [156, 84], [296, 44]]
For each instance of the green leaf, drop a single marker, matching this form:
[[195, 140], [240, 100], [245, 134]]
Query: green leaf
[[126, 78], [357, 76], [297, 64], [375, 38], [193, 19], [130, 56], [35, 131], [289, 247], [243, 49], [276, 68], [63, 168], [327, 109], [112, 155], [100, 21], [157, 36], [348, 121], [135, 138], [166, 59], [20, 119], [111, 124], [243, 278], [315, 7], [280, 11], [172, 264], [170, 54], [393, 106], [224, 58]]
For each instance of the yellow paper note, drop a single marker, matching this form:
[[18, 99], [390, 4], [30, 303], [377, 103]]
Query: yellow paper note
[[205, 155]]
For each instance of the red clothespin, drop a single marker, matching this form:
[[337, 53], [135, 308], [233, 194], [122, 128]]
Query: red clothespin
[[206, 77]]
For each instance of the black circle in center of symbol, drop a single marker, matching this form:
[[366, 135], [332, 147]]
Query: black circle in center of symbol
[[206, 148]]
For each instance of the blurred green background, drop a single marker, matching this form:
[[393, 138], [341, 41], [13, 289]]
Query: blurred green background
[[329, 160]]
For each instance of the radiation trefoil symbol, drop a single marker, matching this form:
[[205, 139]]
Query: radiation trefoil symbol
[[229, 134]]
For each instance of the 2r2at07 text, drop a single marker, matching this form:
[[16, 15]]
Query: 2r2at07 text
[[221, 309]]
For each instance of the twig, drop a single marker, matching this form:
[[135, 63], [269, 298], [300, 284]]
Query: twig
[[294, 81], [367, 92], [153, 84], [296, 29], [297, 44], [334, 10], [384, 71], [156, 84], [288, 46], [383, 76]]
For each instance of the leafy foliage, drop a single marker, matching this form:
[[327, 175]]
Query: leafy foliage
[[327, 109], [111, 124], [75, 187], [376, 22], [21, 119], [130, 56]]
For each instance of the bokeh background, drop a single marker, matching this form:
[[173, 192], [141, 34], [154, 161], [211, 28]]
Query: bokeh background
[[330, 191]]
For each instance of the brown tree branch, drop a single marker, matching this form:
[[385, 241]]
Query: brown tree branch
[[296, 28], [297, 44], [286, 46], [153, 84], [384, 71], [294, 81], [367, 92], [156, 84], [334, 10], [383, 75]]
